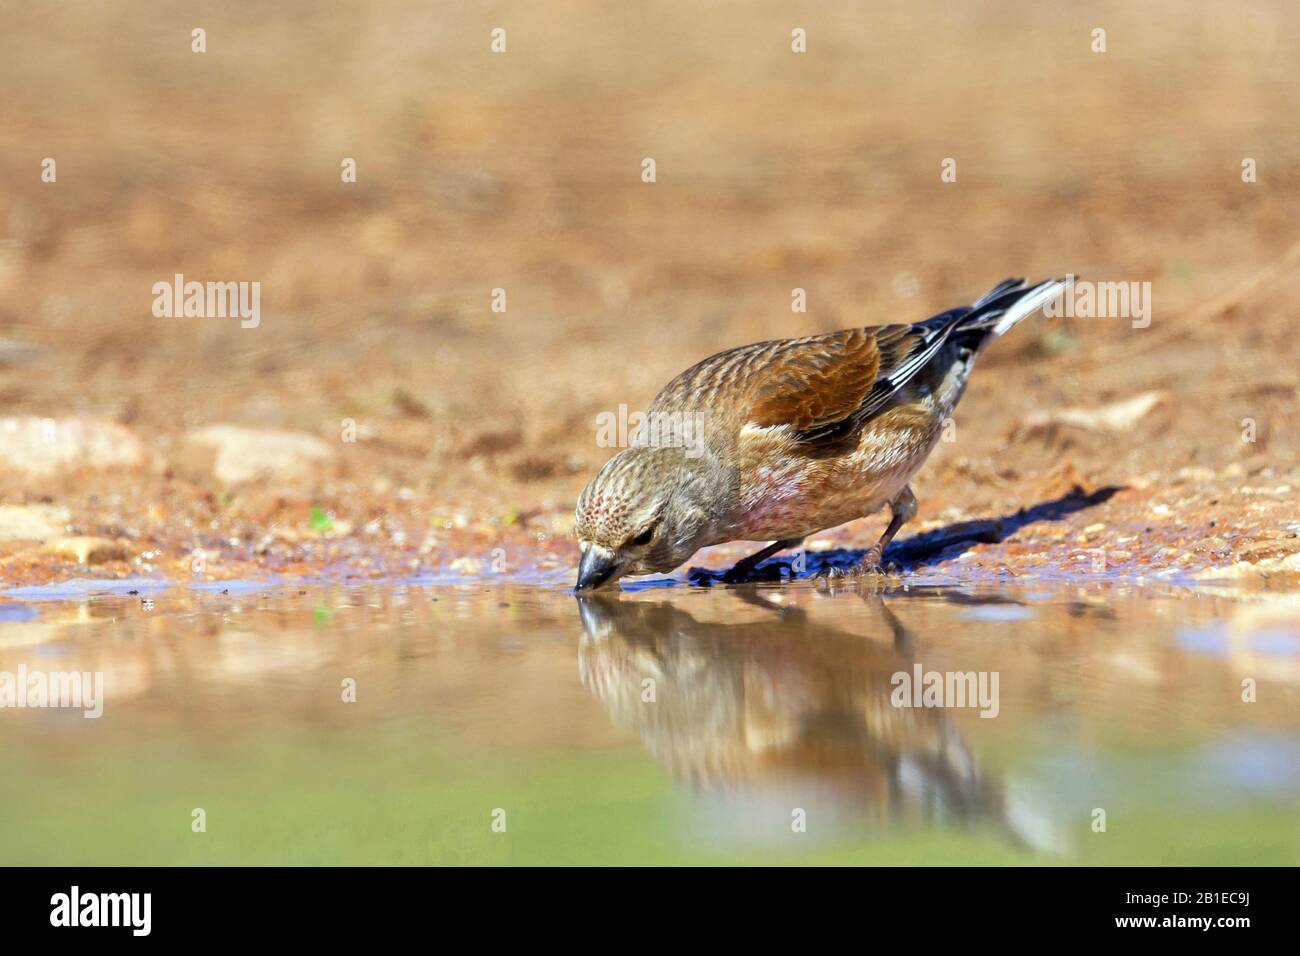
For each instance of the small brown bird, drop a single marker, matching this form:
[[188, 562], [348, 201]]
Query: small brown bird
[[778, 440]]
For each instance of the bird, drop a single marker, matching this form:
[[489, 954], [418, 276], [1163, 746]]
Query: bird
[[778, 440]]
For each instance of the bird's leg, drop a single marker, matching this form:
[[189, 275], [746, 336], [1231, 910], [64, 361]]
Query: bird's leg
[[744, 566], [902, 510]]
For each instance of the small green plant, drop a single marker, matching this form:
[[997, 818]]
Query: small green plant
[[321, 522]]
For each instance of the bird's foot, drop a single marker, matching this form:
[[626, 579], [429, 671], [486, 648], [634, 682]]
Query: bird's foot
[[873, 563], [870, 567]]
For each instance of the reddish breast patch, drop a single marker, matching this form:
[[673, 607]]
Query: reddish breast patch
[[774, 499]]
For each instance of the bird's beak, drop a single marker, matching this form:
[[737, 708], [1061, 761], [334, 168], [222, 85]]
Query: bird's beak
[[598, 566]]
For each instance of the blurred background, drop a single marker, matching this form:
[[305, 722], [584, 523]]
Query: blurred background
[[521, 171]]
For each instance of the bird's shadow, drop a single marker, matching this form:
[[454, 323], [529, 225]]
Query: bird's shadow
[[920, 550]]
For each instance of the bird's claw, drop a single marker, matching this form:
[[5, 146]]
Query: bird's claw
[[830, 578], [873, 563], [869, 568]]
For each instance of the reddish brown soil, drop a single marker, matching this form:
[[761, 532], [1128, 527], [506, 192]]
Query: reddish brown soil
[[521, 171]]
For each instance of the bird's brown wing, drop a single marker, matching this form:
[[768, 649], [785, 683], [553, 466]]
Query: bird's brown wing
[[813, 383], [825, 387], [820, 387], [904, 351], [828, 386]]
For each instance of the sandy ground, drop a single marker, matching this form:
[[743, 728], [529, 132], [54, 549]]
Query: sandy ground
[[522, 171]]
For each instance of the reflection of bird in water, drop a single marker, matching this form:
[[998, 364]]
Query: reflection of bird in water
[[781, 704]]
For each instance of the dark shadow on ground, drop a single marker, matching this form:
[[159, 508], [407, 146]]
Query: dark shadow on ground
[[921, 550]]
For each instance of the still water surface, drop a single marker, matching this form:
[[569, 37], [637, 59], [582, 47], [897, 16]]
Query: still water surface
[[519, 724]]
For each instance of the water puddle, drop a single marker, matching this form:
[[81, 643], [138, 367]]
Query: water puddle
[[426, 722]]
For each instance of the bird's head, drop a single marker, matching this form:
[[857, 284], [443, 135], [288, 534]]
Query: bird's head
[[647, 510]]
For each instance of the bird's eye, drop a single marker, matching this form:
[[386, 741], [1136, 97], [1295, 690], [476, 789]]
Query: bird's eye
[[645, 536]]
